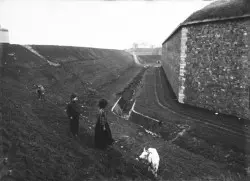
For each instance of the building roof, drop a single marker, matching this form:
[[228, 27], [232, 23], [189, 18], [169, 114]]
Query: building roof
[[3, 29], [218, 11], [143, 50]]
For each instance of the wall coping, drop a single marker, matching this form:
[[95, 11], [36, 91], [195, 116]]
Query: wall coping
[[205, 21]]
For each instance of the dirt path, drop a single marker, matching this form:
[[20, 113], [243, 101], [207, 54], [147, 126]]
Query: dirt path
[[186, 131]]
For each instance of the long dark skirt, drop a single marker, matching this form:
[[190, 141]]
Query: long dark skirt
[[74, 126], [103, 138]]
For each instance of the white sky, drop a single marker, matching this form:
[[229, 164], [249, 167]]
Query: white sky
[[92, 23]]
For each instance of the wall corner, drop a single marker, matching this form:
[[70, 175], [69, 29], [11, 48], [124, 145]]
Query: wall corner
[[183, 55]]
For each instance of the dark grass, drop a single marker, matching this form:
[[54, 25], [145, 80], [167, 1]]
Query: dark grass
[[129, 92], [169, 129], [41, 127]]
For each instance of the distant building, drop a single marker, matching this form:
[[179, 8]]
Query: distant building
[[145, 51], [4, 35], [4, 41], [206, 58]]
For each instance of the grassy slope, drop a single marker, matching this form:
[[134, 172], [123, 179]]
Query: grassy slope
[[40, 128], [99, 67]]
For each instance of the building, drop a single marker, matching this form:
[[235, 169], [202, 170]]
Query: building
[[143, 51], [206, 58], [4, 41]]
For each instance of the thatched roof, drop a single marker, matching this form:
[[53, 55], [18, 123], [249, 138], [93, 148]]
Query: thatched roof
[[218, 11]]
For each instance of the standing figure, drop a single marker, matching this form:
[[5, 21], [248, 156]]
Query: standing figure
[[40, 92], [103, 136], [73, 112]]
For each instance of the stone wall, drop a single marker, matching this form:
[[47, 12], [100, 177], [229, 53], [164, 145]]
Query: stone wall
[[216, 72], [171, 60]]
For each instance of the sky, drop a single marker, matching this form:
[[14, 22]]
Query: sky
[[93, 23]]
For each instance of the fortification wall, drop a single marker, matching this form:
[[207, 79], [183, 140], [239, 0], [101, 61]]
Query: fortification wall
[[217, 73], [171, 60], [207, 66]]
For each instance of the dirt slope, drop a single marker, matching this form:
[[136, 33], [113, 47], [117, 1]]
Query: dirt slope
[[40, 129]]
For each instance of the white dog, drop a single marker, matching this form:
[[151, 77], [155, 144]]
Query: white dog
[[152, 157]]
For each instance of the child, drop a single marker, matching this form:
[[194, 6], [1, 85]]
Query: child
[[40, 91]]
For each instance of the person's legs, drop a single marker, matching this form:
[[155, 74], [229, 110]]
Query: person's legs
[[70, 129], [75, 127], [39, 94], [42, 96], [72, 126]]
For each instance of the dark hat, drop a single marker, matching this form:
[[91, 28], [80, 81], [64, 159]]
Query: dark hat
[[73, 95], [103, 103]]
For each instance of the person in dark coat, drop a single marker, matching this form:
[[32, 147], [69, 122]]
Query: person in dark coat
[[103, 136], [40, 92], [73, 112]]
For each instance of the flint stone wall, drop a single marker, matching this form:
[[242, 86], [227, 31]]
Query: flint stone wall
[[171, 60], [216, 71]]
